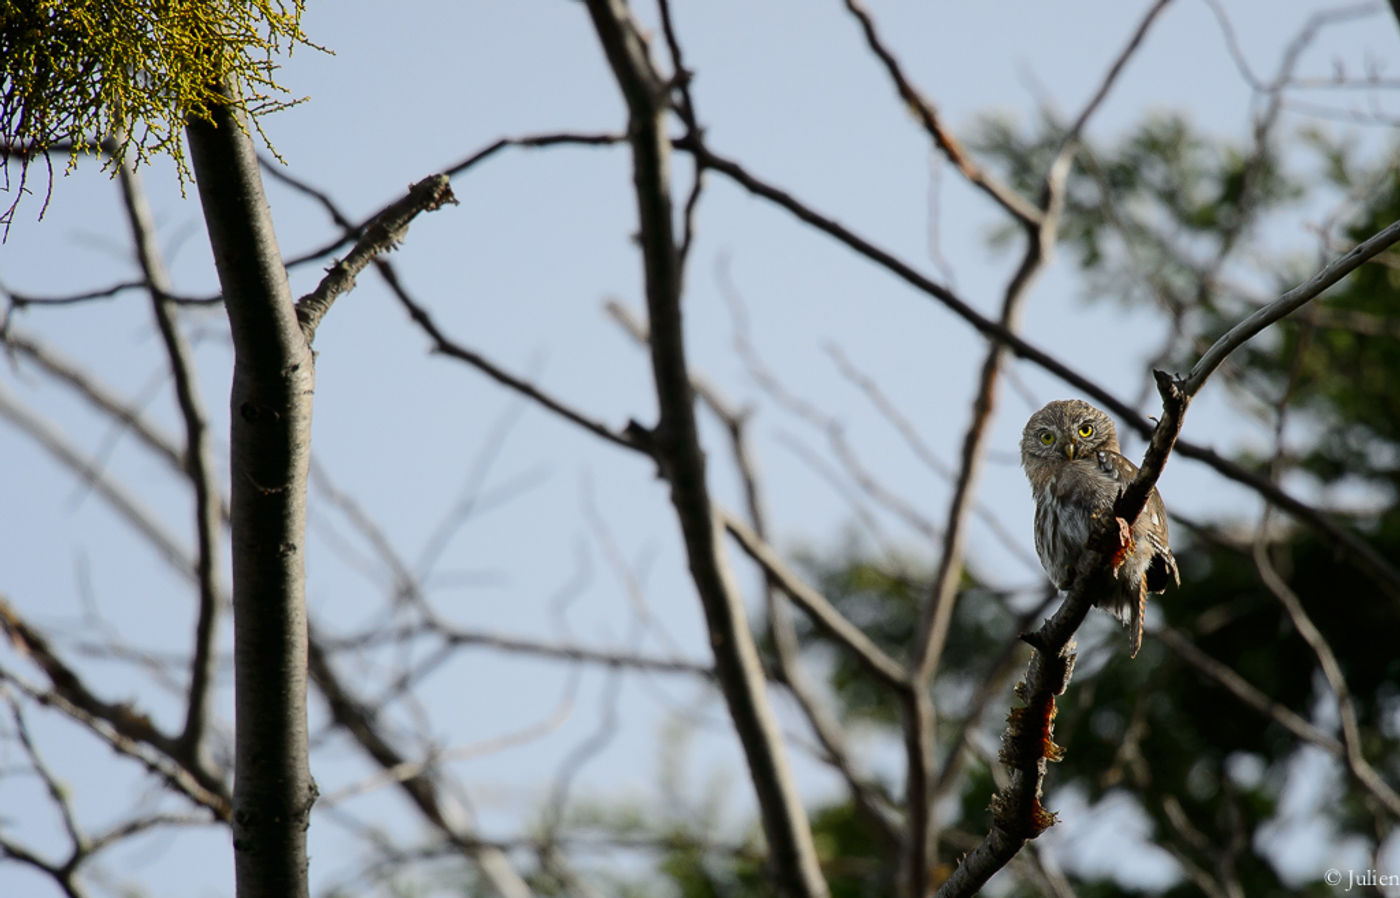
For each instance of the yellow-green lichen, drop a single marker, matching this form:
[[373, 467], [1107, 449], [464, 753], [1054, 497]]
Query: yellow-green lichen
[[77, 73]]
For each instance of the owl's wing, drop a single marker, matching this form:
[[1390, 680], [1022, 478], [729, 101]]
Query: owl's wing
[[1151, 524]]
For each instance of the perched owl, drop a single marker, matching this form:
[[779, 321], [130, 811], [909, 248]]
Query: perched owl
[[1070, 452]]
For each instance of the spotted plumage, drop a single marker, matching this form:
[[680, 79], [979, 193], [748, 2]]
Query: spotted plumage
[[1070, 452]]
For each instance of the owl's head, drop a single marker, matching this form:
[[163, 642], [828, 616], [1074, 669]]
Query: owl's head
[[1067, 429]]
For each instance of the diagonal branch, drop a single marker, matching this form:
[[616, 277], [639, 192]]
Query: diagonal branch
[[444, 344], [130, 728], [817, 606], [1023, 210], [358, 719], [95, 393], [351, 229], [1356, 763], [383, 232], [126, 505], [1288, 303], [936, 615], [1041, 236], [1111, 77], [1247, 693]]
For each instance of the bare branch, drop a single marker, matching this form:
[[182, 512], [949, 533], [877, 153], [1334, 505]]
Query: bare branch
[[535, 141], [198, 456], [817, 606], [991, 685], [62, 877], [126, 505], [1076, 129], [423, 769], [358, 719], [682, 461], [824, 724], [1247, 693], [447, 346], [58, 795], [384, 232], [610, 658], [94, 393], [124, 726], [1016, 205], [936, 614], [925, 454], [20, 300], [1288, 303], [1357, 765]]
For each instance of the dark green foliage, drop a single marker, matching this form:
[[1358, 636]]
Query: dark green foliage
[[1149, 218]]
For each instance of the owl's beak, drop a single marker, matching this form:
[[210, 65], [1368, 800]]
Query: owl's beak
[[1070, 449]]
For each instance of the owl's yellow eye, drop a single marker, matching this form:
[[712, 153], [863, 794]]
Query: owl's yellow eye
[[1086, 430], [1047, 438]]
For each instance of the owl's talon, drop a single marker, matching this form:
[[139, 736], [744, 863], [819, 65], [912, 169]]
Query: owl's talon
[[1125, 544]]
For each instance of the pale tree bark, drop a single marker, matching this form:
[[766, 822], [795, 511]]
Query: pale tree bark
[[269, 455]]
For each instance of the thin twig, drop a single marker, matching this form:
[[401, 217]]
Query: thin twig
[[1247, 693], [1075, 130], [126, 505], [924, 452], [936, 614], [198, 457], [95, 393], [447, 346]]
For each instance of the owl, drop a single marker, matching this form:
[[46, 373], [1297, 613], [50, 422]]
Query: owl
[[1070, 452]]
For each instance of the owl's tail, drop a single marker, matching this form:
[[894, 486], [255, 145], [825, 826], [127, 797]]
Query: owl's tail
[[1129, 605], [1139, 608]]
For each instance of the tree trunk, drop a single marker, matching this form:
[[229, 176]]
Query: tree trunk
[[269, 453]]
